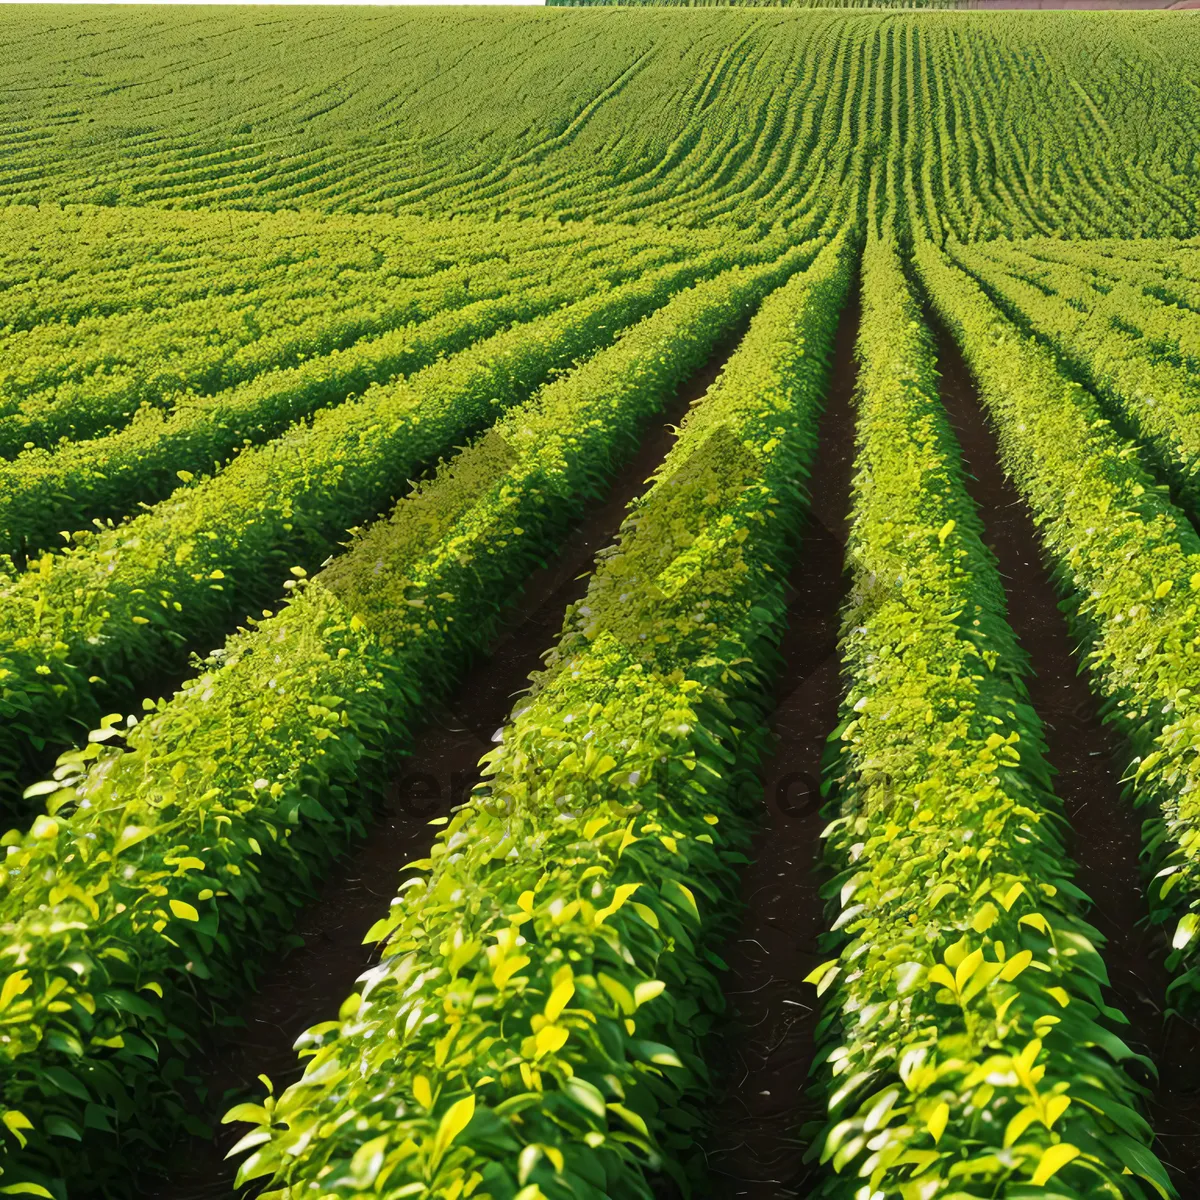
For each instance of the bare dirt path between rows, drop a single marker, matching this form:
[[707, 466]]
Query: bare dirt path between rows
[[755, 1149], [1087, 756], [309, 984]]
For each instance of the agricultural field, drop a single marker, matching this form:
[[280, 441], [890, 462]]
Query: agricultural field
[[599, 602]]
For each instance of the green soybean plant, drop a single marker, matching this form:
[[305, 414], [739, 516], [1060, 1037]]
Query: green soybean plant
[[80, 629], [174, 851], [967, 1047], [1128, 564], [46, 492], [1106, 340], [535, 1025]]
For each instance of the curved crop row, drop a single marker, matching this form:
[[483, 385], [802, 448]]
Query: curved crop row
[[132, 911], [1164, 268], [536, 1025], [132, 599], [1116, 343], [1145, 303], [1027, 125], [968, 1044], [44, 492], [211, 351], [193, 345], [1129, 563], [63, 266]]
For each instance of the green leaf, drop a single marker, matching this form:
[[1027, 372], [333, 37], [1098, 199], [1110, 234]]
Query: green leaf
[[43, 788], [64, 1081], [44, 828], [655, 1052], [630, 1118], [585, 1094], [647, 990], [818, 974], [622, 997], [131, 835], [16, 984], [528, 1160], [1185, 931], [1053, 1160], [368, 1161], [1141, 1161], [937, 1121], [60, 1127], [908, 976], [457, 1118], [683, 895], [254, 1113], [16, 1122]]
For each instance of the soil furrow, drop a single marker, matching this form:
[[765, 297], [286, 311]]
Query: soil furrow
[[310, 983], [755, 1148], [1088, 757]]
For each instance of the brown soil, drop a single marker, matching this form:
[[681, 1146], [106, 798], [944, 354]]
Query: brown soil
[[755, 1148], [1087, 756], [309, 984]]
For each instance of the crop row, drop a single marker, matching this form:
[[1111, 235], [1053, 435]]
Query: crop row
[[132, 910], [1136, 354], [1161, 267], [46, 492], [536, 1026], [88, 385], [1140, 301], [1128, 563], [62, 266], [75, 627], [731, 117], [141, 286], [968, 1047]]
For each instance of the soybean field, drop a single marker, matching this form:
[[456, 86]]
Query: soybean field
[[599, 602]]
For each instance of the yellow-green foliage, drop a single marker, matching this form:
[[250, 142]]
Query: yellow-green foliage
[[1129, 563], [1076, 124], [76, 624], [174, 851], [967, 1037], [546, 971]]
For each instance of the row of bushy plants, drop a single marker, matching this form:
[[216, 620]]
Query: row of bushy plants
[[66, 270], [1128, 563], [44, 492], [1136, 354], [173, 852], [536, 1025], [967, 1046], [76, 380], [1138, 300], [79, 629], [1166, 269]]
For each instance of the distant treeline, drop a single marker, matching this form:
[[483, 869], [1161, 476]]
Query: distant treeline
[[756, 3]]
